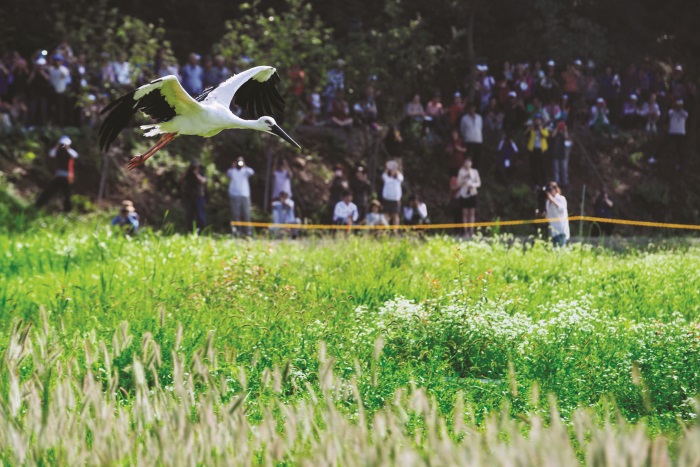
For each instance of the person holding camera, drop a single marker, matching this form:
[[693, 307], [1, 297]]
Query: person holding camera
[[468, 182], [392, 193], [557, 215], [537, 136], [239, 193], [193, 196], [63, 156]]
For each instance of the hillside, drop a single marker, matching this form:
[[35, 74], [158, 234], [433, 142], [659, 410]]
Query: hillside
[[640, 191]]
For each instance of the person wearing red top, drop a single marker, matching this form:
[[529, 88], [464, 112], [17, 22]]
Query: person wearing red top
[[456, 151], [456, 109], [340, 112], [296, 80]]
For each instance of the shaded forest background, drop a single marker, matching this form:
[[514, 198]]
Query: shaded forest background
[[430, 39]]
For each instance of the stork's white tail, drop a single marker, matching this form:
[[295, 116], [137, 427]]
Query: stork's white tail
[[152, 130]]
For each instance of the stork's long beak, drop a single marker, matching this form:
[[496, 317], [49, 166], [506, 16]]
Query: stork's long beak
[[280, 132]]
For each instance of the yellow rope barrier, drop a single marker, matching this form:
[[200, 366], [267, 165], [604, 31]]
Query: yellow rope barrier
[[465, 225]]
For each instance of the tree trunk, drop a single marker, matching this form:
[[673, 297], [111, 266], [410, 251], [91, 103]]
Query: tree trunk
[[471, 55]]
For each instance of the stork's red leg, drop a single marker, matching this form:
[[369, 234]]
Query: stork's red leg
[[138, 160]]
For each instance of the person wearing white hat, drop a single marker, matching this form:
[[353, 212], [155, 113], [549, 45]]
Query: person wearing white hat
[[59, 76], [547, 86], [631, 118], [64, 157], [599, 117]]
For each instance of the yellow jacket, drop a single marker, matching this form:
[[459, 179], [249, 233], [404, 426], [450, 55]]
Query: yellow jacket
[[531, 139]]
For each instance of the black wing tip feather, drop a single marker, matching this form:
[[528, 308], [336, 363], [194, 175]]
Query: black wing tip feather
[[120, 112], [260, 98]]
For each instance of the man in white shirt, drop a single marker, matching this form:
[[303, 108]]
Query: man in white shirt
[[470, 128], [676, 130], [239, 194], [675, 137], [558, 215], [345, 212], [391, 192], [122, 70], [59, 76]]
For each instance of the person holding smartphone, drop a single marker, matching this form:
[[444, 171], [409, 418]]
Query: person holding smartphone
[[557, 215], [537, 147]]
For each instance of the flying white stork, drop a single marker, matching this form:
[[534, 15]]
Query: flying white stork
[[206, 115]]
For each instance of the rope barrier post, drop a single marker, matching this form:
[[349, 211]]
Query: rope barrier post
[[580, 223]]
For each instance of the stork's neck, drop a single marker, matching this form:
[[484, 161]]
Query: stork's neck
[[238, 122]]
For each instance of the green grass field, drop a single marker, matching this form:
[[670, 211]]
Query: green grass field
[[346, 351]]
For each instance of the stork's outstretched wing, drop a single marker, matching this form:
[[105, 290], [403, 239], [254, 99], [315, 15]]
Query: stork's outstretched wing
[[161, 100], [253, 90]]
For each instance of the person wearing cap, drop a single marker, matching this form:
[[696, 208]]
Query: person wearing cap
[[609, 87], [192, 75], [59, 76], [39, 89], [239, 194], [194, 186], [631, 118], [675, 138], [127, 218], [547, 86], [676, 85], [515, 114], [375, 216], [537, 135], [599, 117], [64, 157]]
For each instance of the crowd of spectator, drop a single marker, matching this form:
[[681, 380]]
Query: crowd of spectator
[[62, 88], [512, 109]]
